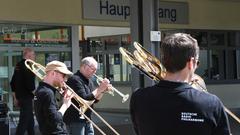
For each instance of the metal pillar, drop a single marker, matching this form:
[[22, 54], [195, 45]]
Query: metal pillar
[[143, 20], [75, 48]]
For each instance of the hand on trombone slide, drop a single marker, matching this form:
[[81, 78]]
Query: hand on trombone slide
[[67, 96]]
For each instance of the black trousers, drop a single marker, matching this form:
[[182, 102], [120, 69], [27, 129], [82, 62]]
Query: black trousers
[[26, 119]]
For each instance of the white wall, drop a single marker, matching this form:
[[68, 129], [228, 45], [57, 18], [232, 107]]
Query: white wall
[[94, 31]]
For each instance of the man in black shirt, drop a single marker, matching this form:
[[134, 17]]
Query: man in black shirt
[[173, 107], [48, 116], [23, 85], [81, 83]]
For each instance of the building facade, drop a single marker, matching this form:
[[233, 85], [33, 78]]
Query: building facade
[[52, 29]]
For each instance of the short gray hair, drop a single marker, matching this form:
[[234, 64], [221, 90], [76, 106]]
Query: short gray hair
[[88, 61]]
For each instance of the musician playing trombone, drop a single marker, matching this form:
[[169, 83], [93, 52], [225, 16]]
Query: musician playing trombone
[[82, 84], [49, 117], [172, 106]]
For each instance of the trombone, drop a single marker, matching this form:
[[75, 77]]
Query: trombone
[[145, 62], [39, 71], [112, 90]]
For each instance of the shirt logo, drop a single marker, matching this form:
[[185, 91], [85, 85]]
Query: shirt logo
[[189, 116]]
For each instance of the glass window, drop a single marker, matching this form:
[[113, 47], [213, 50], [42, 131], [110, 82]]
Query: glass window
[[217, 39], [37, 35], [217, 66], [126, 70], [201, 38], [46, 57], [219, 54], [233, 39], [95, 45], [231, 72], [238, 64], [4, 83], [114, 67], [202, 70], [100, 70], [106, 51]]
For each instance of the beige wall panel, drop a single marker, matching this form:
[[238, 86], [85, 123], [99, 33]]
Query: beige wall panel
[[40, 11], [211, 14], [203, 14], [214, 14], [47, 11]]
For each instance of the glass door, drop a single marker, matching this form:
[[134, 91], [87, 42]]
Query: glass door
[[8, 61], [4, 87]]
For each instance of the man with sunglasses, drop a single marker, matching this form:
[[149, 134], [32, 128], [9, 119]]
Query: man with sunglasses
[[173, 107], [49, 117], [82, 84]]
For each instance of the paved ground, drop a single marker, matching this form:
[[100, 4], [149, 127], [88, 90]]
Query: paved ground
[[121, 122]]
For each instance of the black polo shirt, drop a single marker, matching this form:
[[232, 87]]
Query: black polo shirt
[[49, 119], [23, 81], [83, 87], [174, 108]]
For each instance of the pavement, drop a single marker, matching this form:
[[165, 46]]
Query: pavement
[[121, 122]]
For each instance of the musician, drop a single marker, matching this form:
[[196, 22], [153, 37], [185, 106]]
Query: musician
[[23, 85], [82, 84], [48, 116], [173, 107]]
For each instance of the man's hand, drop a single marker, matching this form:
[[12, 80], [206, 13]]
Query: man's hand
[[104, 85], [67, 96]]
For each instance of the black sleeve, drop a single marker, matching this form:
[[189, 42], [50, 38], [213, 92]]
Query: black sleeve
[[23, 78], [51, 112], [16, 78], [13, 81], [132, 112], [79, 87], [223, 127], [29, 79]]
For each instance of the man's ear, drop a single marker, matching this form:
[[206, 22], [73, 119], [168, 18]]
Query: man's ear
[[190, 64]]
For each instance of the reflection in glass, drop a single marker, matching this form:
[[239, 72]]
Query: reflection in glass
[[202, 68], [100, 70], [201, 37], [105, 50], [233, 39], [231, 60], [4, 83], [217, 65], [217, 39], [238, 63], [34, 35]]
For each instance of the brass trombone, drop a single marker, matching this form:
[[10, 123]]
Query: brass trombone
[[152, 67], [39, 71]]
